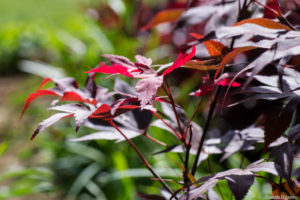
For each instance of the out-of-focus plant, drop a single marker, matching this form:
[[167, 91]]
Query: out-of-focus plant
[[246, 56]]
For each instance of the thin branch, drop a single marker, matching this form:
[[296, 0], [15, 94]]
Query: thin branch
[[193, 116], [153, 139], [168, 125], [186, 163], [142, 158], [168, 91]]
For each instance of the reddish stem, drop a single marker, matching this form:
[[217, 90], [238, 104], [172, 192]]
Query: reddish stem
[[168, 125], [169, 93], [190, 121]]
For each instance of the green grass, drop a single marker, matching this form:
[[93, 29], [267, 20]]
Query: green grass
[[54, 12]]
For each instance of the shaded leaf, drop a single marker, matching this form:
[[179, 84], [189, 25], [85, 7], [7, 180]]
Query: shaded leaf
[[277, 121], [239, 185], [234, 176]]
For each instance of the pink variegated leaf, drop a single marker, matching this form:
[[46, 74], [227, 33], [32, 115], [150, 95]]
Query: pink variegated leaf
[[147, 88]]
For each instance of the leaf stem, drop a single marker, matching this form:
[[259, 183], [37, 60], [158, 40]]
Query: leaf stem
[[186, 162], [142, 158], [168, 125], [190, 121], [187, 154], [154, 140], [169, 93]]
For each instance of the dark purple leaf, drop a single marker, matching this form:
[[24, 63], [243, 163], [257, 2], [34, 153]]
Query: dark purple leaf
[[239, 185]]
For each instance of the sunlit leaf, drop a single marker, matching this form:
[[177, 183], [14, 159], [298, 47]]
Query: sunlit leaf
[[230, 56], [171, 15], [267, 23]]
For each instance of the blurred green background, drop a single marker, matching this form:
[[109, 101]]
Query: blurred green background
[[66, 38]]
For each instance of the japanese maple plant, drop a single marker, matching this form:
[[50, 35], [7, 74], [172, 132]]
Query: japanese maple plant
[[247, 56]]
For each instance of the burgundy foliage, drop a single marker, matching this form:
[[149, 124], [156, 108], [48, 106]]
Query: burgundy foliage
[[247, 55]]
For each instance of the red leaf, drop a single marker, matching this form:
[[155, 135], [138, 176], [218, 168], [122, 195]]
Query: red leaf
[[272, 9], [171, 15], [35, 95], [104, 111], [227, 81], [44, 82], [114, 69], [197, 36], [213, 47], [73, 96], [181, 60], [204, 89], [104, 108], [207, 86], [123, 109]]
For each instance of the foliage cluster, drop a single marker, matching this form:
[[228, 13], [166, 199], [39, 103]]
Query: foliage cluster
[[245, 55]]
